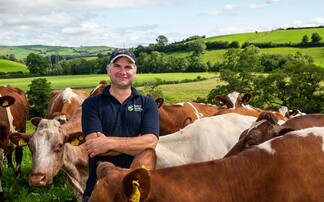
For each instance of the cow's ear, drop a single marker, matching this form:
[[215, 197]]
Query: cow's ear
[[19, 139], [35, 120], [137, 184], [104, 168], [7, 101], [246, 97], [75, 139], [220, 99], [145, 159], [187, 121], [159, 102]]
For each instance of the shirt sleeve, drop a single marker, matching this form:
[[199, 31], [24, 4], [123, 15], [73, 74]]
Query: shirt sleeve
[[90, 118], [150, 122]]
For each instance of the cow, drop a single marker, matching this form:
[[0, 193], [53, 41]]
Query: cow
[[64, 103], [287, 168], [233, 99], [266, 127], [205, 139], [176, 116], [13, 117], [99, 88], [53, 149]]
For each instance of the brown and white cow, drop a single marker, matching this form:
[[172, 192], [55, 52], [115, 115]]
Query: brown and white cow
[[288, 168], [233, 99], [99, 88], [14, 111], [266, 127], [64, 103], [176, 116], [52, 149]]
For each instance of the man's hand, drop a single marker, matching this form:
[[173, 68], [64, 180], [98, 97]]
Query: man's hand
[[96, 144]]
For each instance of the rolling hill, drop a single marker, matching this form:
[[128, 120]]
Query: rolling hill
[[274, 36]]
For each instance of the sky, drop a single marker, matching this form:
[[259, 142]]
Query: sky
[[129, 23]]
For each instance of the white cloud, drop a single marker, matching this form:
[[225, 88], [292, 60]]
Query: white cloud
[[317, 21], [230, 7]]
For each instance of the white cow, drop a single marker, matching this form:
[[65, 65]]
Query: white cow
[[203, 140]]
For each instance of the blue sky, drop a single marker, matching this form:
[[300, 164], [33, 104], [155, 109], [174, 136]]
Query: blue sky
[[130, 23]]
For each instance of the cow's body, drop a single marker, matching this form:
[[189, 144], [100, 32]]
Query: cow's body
[[205, 139], [14, 112], [52, 151], [288, 168], [177, 116], [64, 103], [266, 127]]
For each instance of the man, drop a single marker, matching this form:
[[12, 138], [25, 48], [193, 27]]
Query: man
[[119, 122]]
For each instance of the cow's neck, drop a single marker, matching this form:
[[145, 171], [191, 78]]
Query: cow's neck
[[75, 165]]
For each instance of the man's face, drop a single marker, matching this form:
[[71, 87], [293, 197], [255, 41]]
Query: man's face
[[122, 72]]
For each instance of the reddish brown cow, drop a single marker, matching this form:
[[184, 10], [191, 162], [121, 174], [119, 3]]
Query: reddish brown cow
[[52, 151], [266, 127], [289, 168], [233, 99], [13, 116], [64, 103], [99, 88], [175, 117]]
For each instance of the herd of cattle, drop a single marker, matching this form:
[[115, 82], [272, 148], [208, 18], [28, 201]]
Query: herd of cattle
[[205, 152]]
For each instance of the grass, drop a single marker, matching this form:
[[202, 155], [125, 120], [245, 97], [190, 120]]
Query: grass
[[11, 66], [84, 81]]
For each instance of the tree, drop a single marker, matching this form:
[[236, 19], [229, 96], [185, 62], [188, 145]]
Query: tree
[[37, 64], [38, 97], [162, 40], [305, 39], [316, 38], [198, 46], [296, 85], [238, 71]]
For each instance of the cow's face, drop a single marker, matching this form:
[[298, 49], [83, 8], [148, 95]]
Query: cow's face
[[46, 146]]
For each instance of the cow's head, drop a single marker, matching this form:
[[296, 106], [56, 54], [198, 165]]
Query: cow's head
[[118, 184], [47, 145], [233, 99], [264, 128]]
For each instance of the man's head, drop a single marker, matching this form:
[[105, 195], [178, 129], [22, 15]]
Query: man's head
[[121, 68], [122, 53]]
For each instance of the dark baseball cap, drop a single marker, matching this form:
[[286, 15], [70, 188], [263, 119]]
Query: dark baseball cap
[[120, 53]]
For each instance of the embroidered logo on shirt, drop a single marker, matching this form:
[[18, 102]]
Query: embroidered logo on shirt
[[136, 108]]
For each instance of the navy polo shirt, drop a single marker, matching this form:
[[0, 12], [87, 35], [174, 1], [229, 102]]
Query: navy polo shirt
[[137, 115]]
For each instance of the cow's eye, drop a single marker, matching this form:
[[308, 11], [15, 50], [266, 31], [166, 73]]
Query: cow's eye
[[250, 143], [58, 147]]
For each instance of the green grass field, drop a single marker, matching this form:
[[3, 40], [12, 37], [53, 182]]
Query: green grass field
[[11, 66]]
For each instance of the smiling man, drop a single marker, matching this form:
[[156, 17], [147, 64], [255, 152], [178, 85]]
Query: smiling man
[[119, 122]]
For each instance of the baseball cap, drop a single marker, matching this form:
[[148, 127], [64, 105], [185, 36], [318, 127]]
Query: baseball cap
[[122, 52]]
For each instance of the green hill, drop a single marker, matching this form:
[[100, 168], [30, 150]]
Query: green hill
[[21, 52], [11, 66]]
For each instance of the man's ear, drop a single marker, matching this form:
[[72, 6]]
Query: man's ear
[[108, 69]]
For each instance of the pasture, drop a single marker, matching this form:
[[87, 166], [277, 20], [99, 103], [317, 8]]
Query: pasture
[[10, 66]]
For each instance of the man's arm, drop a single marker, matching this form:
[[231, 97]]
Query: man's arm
[[99, 144]]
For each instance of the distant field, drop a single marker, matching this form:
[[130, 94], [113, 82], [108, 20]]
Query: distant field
[[242, 37], [286, 36], [84, 81], [10, 66]]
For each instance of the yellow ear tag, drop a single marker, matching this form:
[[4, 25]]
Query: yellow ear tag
[[22, 142], [75, 142], [136, 195], [5, 103]]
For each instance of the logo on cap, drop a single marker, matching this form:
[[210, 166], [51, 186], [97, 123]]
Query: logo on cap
[[120, 53]]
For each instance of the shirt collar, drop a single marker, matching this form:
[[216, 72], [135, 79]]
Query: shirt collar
[[106, 91]]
